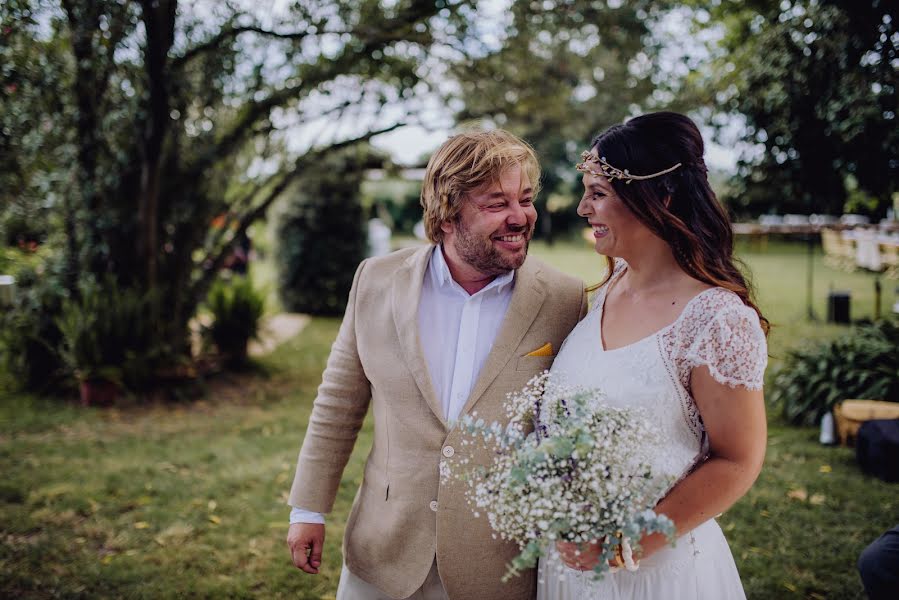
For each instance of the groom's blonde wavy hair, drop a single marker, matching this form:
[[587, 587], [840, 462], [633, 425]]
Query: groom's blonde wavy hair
[[466, 162]]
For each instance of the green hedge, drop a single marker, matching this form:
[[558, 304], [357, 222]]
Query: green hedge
[[321, 239]]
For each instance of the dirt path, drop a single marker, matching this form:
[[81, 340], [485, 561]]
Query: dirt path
[[276, 330]]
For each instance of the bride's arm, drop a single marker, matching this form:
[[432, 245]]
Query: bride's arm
[[734, 419]]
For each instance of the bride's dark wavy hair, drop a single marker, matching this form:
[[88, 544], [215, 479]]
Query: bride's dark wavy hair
[[679, 207]]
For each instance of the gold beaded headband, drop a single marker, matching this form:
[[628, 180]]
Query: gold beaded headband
[[609, 172]]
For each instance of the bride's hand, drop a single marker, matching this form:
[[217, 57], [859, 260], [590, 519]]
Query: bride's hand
[[585, 560]]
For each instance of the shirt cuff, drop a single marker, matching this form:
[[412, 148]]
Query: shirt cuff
[[299, 515]]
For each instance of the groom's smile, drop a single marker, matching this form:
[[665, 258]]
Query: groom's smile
[[491, 234]]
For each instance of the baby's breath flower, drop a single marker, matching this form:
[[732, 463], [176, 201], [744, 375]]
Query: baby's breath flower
[[566, 467]]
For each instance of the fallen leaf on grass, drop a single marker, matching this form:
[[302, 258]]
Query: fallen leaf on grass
[[212, 505], [825, 469], [215, 519], [789, 586], [799, 494], [175, 533], [141, 525], [817, 499]]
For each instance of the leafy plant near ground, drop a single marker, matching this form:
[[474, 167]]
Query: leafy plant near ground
[[236, 308], [29, 335], [106, 335], [864, 364]]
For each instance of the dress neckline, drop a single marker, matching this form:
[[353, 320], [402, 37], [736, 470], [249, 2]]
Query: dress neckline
[[602, 308]]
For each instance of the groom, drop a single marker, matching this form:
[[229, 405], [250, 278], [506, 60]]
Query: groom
[[431, 334]]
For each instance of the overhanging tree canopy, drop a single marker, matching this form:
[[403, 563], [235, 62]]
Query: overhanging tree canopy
[[176, 113]]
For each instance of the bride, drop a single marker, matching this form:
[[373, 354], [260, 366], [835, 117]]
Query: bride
[[672, 329]]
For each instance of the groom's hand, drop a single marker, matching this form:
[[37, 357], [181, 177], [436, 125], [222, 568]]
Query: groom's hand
[[305, 541]]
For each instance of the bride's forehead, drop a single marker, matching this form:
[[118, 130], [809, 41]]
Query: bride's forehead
[[592, 181]]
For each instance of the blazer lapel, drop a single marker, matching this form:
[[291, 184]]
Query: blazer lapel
[[406, 295], [527, 298]]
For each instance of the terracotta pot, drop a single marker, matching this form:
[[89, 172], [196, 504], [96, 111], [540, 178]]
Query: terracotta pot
[[98, 392]]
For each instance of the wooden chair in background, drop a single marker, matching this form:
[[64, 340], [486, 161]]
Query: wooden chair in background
[[889, 256], [850, 414], [839, 253]]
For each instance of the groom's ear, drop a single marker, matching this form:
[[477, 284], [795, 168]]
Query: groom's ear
[[446, 227]]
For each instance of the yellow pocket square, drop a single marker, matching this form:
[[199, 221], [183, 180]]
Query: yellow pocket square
[[544, 350]]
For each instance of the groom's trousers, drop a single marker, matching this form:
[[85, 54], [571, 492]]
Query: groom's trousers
[[878, 566], [353, 588]]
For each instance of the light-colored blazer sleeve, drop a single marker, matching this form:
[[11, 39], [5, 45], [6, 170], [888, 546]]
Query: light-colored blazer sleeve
[[337, 415]]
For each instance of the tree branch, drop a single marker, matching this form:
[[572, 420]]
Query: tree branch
[[398, 29], [230, 33], [210, 265]]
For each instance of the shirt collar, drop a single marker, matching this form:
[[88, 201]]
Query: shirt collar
[[441, 276]]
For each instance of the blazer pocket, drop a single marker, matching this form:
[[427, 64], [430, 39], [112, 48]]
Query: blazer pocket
[[534, 364]]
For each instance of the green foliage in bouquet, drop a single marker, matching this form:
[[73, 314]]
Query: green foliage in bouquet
[[864, 364], [106, 335], [236, 309]]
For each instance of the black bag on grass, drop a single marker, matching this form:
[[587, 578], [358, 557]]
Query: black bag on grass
[[877, 448]]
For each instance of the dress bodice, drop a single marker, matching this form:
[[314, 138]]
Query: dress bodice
[[715, 329]]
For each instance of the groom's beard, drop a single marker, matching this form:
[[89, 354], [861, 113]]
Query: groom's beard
[[483, 255]]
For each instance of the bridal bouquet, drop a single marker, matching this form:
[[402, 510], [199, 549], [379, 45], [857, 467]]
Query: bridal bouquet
[[567, 468]]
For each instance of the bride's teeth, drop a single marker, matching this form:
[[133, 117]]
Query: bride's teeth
[[600, 228]]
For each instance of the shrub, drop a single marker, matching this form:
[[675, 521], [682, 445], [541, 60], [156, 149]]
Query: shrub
[[864, 364], [321, 238], [236, 309], [106, 335], [29, 335]]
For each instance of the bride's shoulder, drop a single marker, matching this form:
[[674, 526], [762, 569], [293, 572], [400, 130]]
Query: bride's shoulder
[[716, 305]]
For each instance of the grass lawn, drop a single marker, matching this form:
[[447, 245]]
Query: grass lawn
[[189, 500]]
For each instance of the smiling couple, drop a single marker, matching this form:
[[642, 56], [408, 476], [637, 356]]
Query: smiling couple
[[434, 333]]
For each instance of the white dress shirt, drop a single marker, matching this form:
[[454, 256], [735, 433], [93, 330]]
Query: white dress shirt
[[457, 331]]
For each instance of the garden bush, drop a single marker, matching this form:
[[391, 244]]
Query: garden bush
[[106, 335], [320, 235], [864, 364], [236, 308], [29, 335]]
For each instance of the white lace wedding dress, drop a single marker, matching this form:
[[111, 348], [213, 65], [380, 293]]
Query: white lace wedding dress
[[717, 330]]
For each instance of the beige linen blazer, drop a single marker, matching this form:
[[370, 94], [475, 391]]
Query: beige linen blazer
[[403, 514]]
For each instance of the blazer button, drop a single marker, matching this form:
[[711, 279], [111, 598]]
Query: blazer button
[[448, 451], [433, 505]]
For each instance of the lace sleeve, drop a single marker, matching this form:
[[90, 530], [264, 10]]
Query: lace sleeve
[[732, 345]]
